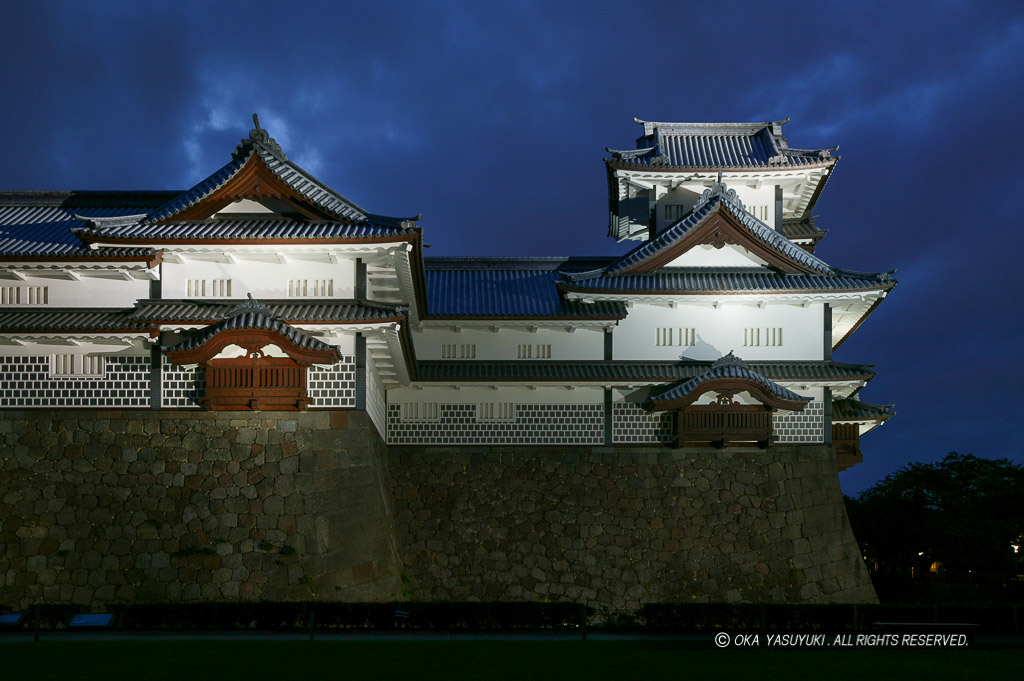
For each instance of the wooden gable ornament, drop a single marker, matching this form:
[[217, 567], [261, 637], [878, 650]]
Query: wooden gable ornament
[[721, 227], [253, 381]]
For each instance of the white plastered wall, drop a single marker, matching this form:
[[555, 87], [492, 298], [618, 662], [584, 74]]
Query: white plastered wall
[[83, 346], [264, 280], [89, 291], [719, 331], [375, 398], [346, 343], [760, 202], [504, 345], [706, 255], [480, 395]]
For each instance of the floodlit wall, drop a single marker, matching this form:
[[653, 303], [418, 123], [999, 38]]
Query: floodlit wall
[[38, 380], [470, 416], [264, 280], [113, 507], [758, 201], [619, 527], [716, 332], [110, 290], [105, 507], [509, 344]]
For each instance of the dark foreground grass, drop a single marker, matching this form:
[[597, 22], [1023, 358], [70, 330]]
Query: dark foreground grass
[[497, 660]]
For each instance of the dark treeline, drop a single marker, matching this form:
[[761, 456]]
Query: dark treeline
[[942, 530]]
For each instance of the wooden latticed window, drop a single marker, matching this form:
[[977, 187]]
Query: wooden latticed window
[[24, 295], [495, 411], [762, 337], [674, 211], [213, 288], [310, 288], [458, 351], [76, 365], [675, 336], [420, 411]]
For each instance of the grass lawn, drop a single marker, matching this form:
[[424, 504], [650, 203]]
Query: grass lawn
[[487, 660]]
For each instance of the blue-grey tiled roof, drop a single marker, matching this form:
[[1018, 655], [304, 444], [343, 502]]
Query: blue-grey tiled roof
[[40, 223], [717, 146], [802, 228], [251, 314], [505, 287], [718, 195], [256, 229], [48, 320], [292, 311], [855, 410], [726, 367], [629, 371], [715, 280], [268, 151]]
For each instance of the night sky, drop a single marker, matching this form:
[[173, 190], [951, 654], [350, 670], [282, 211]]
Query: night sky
[[492, 121]]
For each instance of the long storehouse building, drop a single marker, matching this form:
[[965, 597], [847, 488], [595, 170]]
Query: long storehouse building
[[260, 288]]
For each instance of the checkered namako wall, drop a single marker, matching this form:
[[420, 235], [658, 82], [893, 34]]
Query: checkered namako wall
[[28, 381], [532, 424]]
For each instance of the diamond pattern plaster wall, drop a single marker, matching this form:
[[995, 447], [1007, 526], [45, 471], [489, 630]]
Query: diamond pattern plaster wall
[[27, 381], [333, 386], [182, 386], [800, 426], [540, 424], [631, 424]]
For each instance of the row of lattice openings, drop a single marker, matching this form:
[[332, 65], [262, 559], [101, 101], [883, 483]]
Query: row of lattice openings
[[510, 423]]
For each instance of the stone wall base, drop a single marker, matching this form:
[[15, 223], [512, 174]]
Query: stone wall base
[[101, 507], [111, 507], [617, 527]]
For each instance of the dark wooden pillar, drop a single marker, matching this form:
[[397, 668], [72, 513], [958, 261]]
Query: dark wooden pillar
[[360, 372]]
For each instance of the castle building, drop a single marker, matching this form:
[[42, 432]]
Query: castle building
[[256, 389], [260, 288]]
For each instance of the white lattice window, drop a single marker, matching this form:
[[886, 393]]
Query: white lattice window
[[674, 211], [759, 212], [762, 337], [458, 351], [310, 288], [25, 295], [419, 411], [675, 336], [208, 288], [76, 365], [496, 411], [530, 351]]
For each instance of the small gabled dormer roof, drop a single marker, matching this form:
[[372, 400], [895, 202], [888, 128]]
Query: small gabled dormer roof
[[250, 315], [727, 373], [718, 218], [717, 146]]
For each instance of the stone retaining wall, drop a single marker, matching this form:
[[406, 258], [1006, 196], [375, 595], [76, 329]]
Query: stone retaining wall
[[101, 507], [617, 527]]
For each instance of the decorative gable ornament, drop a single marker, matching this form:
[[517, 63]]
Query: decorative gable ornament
[[726, 421], [253, 381]]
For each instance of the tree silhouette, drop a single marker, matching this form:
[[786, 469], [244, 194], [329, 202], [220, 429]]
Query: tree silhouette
[[964, 512]]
